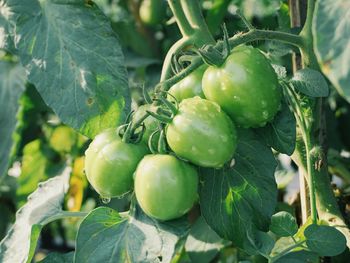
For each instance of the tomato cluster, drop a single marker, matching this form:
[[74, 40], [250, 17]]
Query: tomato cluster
[[213, 100]]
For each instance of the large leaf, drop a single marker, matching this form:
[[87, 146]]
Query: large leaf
[[12, 85], [237, 200], [19, 244], [280, 134], [106, 236], [55, 257], [332, 42], [74, 59], [203, 243], [6, 42]]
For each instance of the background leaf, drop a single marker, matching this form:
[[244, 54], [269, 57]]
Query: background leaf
[[38, 164], [325, 240], [310, 82], [74, 59], [20, 242], [280, 134], [12, 85], [106, 236], [235, 201], [332, 42]]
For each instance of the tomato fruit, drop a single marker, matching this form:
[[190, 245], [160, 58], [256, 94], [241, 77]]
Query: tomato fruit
[[151, 124], [189, 87], [202, 133], [152, 12], [110, 164], [245, 86], [165, 187]]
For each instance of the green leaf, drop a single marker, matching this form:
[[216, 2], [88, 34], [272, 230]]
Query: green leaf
[[106, 236], [20, 242], [310, 82], [6, 41], [58, 258], [235, 200], [283, 224], [39, 164], [261, 242], [332, 42], [74, 60], [325, 240], [299, 257], [203, 243], [12, 85], [280, 134]]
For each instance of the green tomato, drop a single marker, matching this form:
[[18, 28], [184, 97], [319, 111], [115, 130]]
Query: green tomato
[[110, 164], [152, 12], [189, 87], [245, 86], [151, 124], [165, 187], [202, 133]]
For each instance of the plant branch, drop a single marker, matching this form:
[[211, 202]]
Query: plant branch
[[181, 20]]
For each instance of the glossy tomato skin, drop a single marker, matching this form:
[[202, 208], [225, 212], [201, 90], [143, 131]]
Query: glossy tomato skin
[[152, 12], [110, 164], [245, 86], [202, 133], [150, 123], [189, 87], [165, 187]]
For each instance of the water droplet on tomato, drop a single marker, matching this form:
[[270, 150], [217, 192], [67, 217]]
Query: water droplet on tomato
[[211, 151], [263, 103], [265, 114], [105, 200], [194, 149], [224, 138]]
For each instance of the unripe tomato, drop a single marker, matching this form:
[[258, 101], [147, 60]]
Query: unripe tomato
[[202, 133], [151, 124], [245, 86], [110, 164], [152, 12], [189, 87], [165, 187]]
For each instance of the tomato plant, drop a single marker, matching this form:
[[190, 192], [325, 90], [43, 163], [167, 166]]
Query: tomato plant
[[174, 131], [165, 187]]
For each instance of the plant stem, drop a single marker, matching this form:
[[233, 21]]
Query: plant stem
[[310, 160], [181, 20], [201, 35]]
